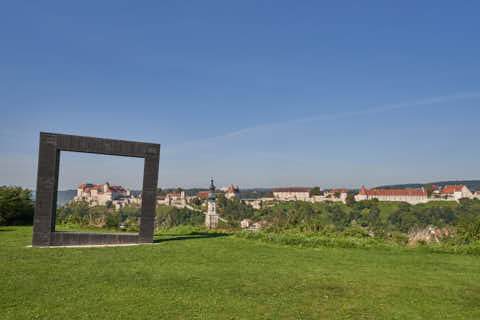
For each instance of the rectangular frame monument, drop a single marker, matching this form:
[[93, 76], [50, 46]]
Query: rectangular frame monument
[[51, 144]]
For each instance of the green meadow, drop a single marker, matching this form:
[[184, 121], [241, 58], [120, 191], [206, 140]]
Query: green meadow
[[195, 275]]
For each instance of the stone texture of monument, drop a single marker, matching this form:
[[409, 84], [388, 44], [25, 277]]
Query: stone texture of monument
[[51, 144], [211, 218]]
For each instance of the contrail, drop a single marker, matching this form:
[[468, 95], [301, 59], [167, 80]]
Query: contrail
[[379, 109]]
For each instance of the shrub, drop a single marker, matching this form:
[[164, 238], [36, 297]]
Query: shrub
[[468, 230], [112, 221], [399, 238], [355, 232], [16, 206], [313, 240]]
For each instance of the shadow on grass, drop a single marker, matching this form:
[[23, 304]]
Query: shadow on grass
[[190, 236], [3, 230]]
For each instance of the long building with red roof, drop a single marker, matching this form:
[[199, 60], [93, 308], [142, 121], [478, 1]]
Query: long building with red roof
[[412, 196]]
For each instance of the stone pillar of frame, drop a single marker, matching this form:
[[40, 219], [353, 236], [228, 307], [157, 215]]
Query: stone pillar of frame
[[46, 192], [149, 194]]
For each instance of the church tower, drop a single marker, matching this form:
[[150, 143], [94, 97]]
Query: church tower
[[211, 218]]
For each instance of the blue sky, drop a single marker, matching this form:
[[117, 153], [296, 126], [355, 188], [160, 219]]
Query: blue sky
[[254, 93]]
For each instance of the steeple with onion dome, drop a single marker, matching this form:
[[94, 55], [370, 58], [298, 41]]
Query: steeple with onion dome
[[211, 194], [211, 218]]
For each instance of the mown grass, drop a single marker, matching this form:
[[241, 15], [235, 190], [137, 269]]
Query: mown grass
[[195, 275]]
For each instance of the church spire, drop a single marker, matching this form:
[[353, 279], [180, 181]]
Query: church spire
[[211, 218], [212, 186]]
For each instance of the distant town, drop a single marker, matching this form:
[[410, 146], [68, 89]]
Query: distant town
[[119, 197], [101, 195]]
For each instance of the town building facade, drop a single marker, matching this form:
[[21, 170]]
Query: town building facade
[[178, 200], [456, 192], [232, 192], [334, 195], [291, 194], [476, 195]]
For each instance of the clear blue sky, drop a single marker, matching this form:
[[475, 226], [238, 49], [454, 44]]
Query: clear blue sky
[[254, 93]]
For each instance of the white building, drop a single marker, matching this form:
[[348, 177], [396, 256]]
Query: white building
[[232, 192], [178, 200], [250, 225], [245, 223], [259, 203], [291, 194], [476, 195], [412, 196], [334, 195], [457, 192]]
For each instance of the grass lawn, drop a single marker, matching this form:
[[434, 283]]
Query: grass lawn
[[223, 277]]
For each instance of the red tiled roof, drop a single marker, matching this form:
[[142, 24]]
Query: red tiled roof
[[85, 185], [88, 187], [344, 190], [452, 189], [202, 194], [363, 191], [172, 195], [117, 188], [291, 190], [393, 192], [232, 189]]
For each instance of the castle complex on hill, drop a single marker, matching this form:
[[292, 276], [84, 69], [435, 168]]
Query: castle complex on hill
[[102, 195]]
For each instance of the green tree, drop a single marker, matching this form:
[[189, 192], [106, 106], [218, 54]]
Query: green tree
[[468, 229], [221, 201], [350, 201], [112, 221], [429, 188], [73, 212], [16, 206], [315, 191]]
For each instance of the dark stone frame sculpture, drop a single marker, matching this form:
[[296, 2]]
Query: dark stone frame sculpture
[[47, 186]]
